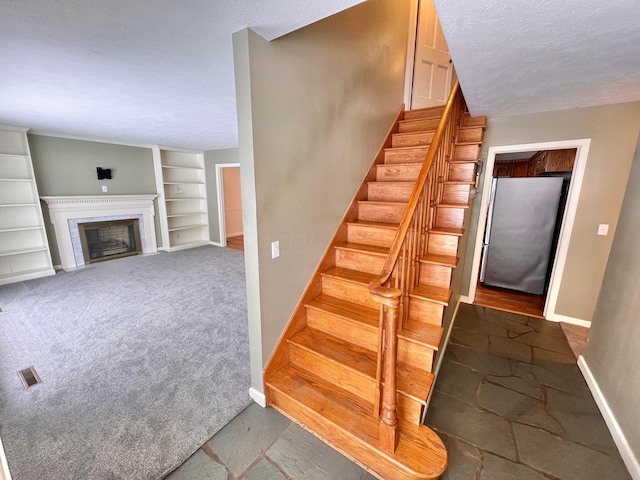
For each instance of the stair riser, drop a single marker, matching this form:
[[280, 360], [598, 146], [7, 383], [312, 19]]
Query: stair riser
[[456, 193], [380, 213], [449, 217], [362, 261], [350, 380], [466, 152], [415, 155], [443, 244], [462, 172], [352, 331], [411, 139], [435, 275], [391, 192], [418, 355], [349, 291], [368, 235], [469, 121], [425, 311], [425, 113], [470, 134], [409, 410], [419, 125], [398, 173]]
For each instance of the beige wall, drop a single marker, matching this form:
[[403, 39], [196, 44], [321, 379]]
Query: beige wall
[[613, 130], [211, 159], [313, 108], [613, 349], [68, 167]]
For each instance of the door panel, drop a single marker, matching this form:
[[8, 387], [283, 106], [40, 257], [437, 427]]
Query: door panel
[[432, 64]]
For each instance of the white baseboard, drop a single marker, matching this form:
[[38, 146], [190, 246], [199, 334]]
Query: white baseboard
[[236, 234], [626, 453], [5, 474], [216, 244], [554, 317], [464, 299], [258, 397], [57, 267]]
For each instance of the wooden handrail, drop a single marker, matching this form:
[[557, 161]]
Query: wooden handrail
[[409, 244], [376, 287]]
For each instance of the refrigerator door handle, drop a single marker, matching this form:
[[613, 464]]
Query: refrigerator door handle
[[483, 262]]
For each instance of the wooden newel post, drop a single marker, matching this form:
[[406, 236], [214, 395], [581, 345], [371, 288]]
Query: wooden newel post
[[389, 414]]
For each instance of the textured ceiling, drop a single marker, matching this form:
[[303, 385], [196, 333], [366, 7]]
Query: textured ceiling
[[523, 56], [134, 71]]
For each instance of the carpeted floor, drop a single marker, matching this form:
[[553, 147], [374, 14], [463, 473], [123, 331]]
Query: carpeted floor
[[142, 359]]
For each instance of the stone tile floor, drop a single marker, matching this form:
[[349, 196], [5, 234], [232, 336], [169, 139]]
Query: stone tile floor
[[509, 403]]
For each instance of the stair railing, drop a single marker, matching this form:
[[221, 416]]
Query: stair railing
[[400, 273]]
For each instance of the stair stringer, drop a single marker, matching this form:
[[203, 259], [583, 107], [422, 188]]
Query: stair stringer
[[280, 356]]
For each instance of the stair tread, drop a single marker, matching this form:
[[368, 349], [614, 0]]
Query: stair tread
[[350, 275], [453, 182], [421, 332], [382, 202], [413, 147], [357, 358], [452, 205], [393, 182], [410, 381], [419, 132], [361, 247], [419, 454], [448, 231], [365, 223], [435, 294], [438, 259], [342, 308]]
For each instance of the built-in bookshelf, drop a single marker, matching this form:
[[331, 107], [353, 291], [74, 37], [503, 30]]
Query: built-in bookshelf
[[182, 204], [24, 250]]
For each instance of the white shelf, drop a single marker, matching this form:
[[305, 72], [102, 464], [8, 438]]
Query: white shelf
[[181, 181], [21, 251], [24, 250]]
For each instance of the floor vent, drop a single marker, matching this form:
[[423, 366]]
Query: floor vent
[[29, 377]]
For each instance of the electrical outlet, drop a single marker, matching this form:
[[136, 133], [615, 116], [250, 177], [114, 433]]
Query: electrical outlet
[[603, 229], [275, 249], [104, 189]]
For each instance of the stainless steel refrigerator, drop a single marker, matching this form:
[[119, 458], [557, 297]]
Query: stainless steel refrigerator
[[520, 232]]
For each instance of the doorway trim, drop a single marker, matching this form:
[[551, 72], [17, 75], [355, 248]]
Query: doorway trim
[[220, 192], [582, 146], [411, 53]]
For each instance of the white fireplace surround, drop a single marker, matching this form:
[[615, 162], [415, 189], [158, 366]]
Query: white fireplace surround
[[69, 211]]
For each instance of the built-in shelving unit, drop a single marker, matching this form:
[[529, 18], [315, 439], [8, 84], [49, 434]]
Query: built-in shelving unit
[[182, 204], [24, 250]]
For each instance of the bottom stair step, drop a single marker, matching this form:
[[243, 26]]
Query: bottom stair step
[[346, 423]]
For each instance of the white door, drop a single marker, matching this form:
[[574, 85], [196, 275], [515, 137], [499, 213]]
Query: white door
[[432, 67]]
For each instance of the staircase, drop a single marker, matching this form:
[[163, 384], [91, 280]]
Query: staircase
[[354, 363]]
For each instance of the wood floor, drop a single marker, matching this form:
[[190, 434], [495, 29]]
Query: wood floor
[[236, 243], [510, 301]]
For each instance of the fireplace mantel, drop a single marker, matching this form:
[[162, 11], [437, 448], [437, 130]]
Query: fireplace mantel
[[67, 212]]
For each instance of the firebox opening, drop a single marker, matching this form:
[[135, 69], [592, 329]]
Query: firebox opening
[[108, 240]]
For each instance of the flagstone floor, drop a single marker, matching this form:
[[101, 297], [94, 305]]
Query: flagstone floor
[[509, 403]]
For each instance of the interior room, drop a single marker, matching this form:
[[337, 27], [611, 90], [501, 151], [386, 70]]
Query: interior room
[[304, 240]]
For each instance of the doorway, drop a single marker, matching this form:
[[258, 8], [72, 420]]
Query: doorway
[[524, 162], [230, 206]]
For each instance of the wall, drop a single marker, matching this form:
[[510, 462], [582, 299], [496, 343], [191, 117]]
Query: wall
[[613, 130], [211, 159], [613, 349], [313, 108], [68, 167], [232, 201]]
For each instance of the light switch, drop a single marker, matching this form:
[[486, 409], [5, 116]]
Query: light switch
[[275, 249], [603, 229], [104, 189]]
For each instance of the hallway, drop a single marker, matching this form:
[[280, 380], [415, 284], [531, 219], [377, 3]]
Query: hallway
[[510, 402]]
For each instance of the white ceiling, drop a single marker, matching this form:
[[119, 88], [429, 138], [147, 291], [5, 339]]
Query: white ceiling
[[523, 56], [134, 71]]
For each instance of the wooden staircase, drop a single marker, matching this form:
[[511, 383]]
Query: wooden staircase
[[338, 369]]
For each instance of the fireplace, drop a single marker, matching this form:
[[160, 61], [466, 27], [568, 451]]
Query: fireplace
[[108, 240]]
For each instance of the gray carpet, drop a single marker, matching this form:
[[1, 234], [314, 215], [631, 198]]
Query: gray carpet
[[142, 359]]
